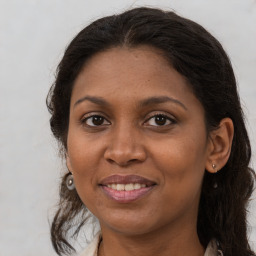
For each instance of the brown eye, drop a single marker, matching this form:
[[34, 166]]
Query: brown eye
[[95, 120], [160, 120]]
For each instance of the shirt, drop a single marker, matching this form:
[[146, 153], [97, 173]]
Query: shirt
[[92, 249]]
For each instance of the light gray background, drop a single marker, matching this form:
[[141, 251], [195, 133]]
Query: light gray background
[[33, 36]]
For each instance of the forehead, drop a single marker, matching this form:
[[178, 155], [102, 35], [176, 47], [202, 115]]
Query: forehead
[[130, 73], [128, 57]]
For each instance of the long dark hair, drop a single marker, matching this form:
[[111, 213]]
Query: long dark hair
[[200, 58]]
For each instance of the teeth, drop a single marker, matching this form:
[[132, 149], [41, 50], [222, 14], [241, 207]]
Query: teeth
[[120, 186], [137, 186], [126, 187], [129, 187]]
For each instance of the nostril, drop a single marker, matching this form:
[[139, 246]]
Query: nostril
[[124, 154], [110, 161], [122, 162], [133, 160]]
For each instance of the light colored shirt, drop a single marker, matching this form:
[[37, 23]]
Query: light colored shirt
[[92, 249]]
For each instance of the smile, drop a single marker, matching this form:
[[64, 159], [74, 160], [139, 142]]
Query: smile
[[125, 189]]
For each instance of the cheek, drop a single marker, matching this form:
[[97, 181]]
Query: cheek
[[182, 164], [83, 153], [86, 161], [181, 154], [83, 162]]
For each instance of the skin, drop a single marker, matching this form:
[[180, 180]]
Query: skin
[[174, 154]]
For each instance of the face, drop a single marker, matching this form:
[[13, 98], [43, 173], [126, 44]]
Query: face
[[137, 143]]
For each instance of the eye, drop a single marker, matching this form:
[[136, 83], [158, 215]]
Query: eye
[[160, 120], [95, 120]]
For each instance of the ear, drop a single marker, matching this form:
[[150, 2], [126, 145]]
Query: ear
[[68, 163], [220, 143]]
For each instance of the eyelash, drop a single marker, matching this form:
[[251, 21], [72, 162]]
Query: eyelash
[[86, 118], [167, 118]]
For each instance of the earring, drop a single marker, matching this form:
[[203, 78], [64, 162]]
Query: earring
[[70, 182], [215, 184]]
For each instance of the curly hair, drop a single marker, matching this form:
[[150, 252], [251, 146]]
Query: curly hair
[[198, 57]]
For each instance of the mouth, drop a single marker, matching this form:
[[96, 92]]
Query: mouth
[[125, 189]]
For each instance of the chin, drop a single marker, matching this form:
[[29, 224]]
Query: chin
[[131, 230], [130, 225]]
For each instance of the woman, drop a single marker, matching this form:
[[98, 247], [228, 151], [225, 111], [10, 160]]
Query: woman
[[145, 107]]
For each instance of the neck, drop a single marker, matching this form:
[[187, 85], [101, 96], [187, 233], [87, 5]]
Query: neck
[[183, 242]]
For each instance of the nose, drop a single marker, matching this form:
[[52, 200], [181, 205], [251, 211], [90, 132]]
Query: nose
[[125, 147]]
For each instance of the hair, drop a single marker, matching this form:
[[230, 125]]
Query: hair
[[198, 57]]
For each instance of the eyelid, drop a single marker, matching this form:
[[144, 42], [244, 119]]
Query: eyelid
[[168, 116], [164, 114], [85, 117], [94, 113]]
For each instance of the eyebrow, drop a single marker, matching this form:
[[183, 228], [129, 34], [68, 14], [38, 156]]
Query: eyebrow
[[159, 100], [144, 103], [95, 100]]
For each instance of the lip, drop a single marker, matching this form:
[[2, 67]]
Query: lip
[[126, 196], [126, 179]]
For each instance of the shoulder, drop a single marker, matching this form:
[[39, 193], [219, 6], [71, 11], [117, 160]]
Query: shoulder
[[92, 248]]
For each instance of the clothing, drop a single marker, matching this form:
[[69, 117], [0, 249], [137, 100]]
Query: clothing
[[92, 249]]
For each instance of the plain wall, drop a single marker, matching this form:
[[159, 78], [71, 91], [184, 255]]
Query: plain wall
[[33, 36]]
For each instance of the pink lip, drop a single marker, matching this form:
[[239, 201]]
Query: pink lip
[[126, 196]]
